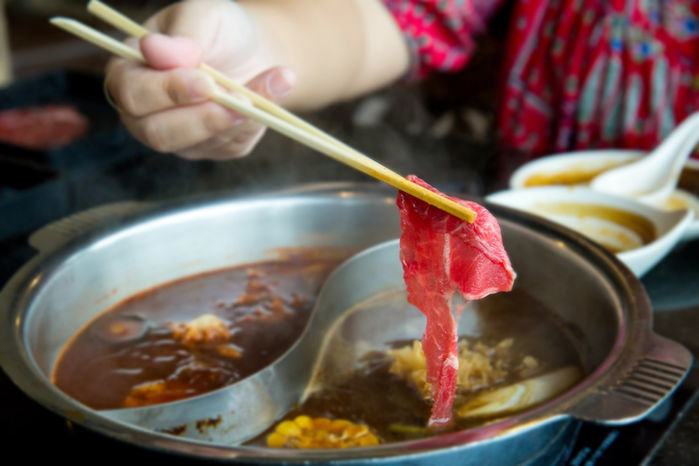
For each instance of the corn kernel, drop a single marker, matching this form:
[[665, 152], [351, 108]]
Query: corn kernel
[[367, 440], [321, 423], [304, 432], [357, 430], [339, 425], [303, 422], [289, 428], [276, 440], [304, 443]]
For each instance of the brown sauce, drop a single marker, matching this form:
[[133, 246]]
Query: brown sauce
[[264, 307], [689, 180], [641, 226], [575, 176]]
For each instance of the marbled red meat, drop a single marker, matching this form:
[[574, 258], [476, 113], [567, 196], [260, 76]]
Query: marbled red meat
[[442, 255], [43, 127]]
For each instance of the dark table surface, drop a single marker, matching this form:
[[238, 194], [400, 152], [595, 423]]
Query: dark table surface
[[395, 128]]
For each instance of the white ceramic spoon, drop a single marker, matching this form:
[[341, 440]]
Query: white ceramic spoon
[[654, 177], [641, 233]]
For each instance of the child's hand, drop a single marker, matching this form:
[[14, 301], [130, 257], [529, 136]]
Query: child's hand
[[165, 105]]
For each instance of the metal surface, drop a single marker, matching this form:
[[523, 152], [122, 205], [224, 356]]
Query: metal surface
[[57, 292]]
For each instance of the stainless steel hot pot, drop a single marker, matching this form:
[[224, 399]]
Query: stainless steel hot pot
[[82, 270]]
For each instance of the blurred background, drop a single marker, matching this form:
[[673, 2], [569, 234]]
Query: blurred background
[[440, 129], [31, 45]]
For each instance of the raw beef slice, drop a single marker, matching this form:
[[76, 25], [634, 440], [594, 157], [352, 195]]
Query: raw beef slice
[[442, 254]]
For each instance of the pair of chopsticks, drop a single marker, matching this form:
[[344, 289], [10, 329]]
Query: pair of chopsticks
[[260, 109]]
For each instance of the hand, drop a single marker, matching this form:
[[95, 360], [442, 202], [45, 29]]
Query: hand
[[165, 105]]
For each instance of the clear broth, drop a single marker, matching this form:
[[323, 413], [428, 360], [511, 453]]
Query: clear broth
[[353, 380]]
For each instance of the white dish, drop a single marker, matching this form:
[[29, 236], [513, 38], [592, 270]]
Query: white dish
[[585, 164], [641, 234]]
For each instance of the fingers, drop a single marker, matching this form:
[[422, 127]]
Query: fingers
[[233, 143], [207, 130], [141, 90], [274, 84], [168, 110], [166, 52], [181, 127]]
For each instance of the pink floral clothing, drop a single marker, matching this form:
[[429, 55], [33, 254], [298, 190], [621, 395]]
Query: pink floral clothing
[[578, 73]]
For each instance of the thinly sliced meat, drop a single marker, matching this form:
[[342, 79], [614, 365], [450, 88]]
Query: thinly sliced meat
[[441, 255], [43, 127]]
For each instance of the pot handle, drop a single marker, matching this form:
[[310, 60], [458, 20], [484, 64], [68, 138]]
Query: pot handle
[[58, 233], [641, 388]]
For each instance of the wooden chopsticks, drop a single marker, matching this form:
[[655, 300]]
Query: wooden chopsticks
[[260, 109]]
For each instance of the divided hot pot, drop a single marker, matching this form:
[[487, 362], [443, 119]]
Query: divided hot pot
[[91, 262]]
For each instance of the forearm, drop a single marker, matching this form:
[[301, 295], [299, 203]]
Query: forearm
[[337, 48]]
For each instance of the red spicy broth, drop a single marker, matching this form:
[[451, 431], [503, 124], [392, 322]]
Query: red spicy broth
[[147, 350]]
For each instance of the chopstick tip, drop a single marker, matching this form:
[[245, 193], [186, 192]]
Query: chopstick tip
[[92, 4], [60, 20], [465, 214]]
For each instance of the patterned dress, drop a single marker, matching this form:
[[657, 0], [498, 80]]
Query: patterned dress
[[578, 73]]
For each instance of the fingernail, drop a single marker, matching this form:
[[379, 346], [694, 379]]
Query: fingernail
[[280, 82], [201, 87], [237, 118]]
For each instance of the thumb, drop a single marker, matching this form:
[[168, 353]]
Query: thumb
[[164, 52]]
